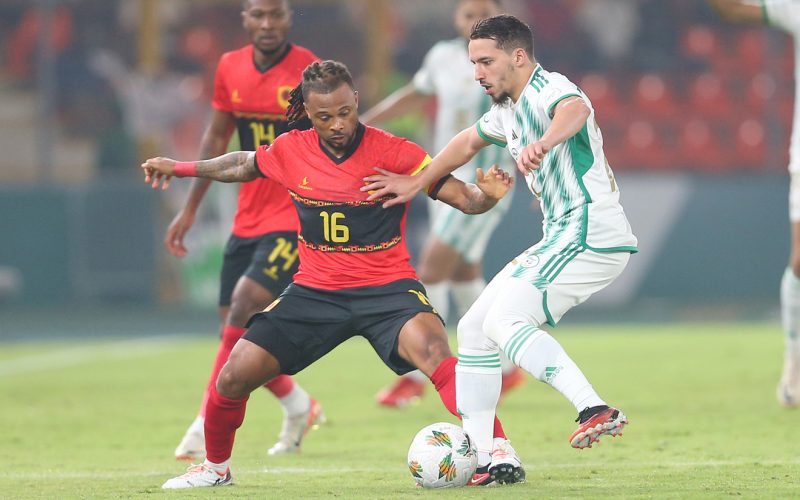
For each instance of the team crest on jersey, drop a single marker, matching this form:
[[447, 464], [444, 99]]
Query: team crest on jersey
[[235, 97], [530, 261], [305, 185]]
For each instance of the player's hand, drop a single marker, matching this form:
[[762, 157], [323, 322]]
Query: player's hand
[[158, 170], [531, 156], [495, 183], [400, 188], [177, 229]]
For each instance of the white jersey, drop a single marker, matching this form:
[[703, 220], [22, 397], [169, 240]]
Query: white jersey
[[785, 14], [575, 185], [448, 74]]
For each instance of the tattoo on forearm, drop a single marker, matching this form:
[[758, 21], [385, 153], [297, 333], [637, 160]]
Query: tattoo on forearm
[[232, 167]]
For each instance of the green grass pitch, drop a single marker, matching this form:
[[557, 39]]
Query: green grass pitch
[[100, 419]]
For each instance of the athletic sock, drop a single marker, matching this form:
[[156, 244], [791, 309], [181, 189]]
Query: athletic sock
[[230, 335], [478, 383], [296, 401], [444, 380], [197, 425], [218, 468], [506, 366], [790, 313], [465, 293], [223, 417], [544, 358], [439, 296]]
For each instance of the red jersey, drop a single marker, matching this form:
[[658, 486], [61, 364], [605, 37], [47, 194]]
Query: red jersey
[[344, 240], [258, 101]]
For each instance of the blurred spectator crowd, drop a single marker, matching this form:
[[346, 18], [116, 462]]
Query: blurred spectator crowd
[[673, 87]]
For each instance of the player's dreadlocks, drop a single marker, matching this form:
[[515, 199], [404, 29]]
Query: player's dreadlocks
[[320, 76]]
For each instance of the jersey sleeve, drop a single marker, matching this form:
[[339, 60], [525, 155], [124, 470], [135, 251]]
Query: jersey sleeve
[[556, 90], [222, 95], [423, 78], [783, 14], [269, 160], [490, 127]]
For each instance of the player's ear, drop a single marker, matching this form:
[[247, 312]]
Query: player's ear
[[355, 92]]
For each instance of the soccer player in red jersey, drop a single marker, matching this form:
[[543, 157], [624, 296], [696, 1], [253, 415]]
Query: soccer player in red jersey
[[355, 276], [251, 94]]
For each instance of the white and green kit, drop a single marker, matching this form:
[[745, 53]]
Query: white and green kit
[[586, 244]]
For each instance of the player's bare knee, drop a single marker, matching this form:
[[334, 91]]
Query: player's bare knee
[[229, 385]]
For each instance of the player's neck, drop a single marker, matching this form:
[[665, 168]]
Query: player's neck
[[525, 74], [265, 60]]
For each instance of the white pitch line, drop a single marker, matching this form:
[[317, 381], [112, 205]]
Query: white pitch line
[[533, 467], [71, 356]]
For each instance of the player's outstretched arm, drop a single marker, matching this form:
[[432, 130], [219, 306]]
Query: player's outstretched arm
[[739, 11], [477, 198], [401, 189], [232, 167]]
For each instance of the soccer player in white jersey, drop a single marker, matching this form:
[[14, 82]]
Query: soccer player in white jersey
[[451, 260], [548, 125], [783, 14]]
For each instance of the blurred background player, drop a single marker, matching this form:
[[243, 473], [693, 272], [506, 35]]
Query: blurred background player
[[355, 276], [251, 92], [548, 125], [783, 14], [450, 264]]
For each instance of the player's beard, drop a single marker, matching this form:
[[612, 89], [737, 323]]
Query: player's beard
[[501, 98]]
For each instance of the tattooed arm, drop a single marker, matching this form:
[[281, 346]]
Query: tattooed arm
[[232, 167]]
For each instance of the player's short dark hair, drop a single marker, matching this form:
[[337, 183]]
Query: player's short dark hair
[[247, 3], [507, 31], [322, 77]]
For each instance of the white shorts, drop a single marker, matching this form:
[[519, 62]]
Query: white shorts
[[467, 234], [534, 289], [794, 197]]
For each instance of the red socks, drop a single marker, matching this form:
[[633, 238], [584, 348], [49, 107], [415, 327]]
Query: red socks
[[280, 386], [223, 417], [444, 379], [230, 334]]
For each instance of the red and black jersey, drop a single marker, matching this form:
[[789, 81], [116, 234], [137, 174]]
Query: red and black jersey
[[258, 100], [344, 240]]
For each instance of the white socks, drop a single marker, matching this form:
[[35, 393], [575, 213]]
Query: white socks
[[296, 402], [478, 382], [545, 359], [197, 426], [219, 468]]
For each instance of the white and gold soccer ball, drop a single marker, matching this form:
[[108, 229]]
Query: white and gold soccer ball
[[442, 456]]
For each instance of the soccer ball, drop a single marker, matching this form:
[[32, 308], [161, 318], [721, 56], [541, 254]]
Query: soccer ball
[[442, 456]]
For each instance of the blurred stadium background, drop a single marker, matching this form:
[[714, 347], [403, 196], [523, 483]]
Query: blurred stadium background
[[696, 117]]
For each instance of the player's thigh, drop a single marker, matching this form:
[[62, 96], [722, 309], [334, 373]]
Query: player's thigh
[[301, 326], [236, 259], [400, 323]]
